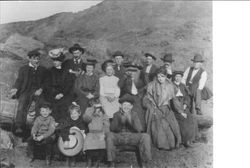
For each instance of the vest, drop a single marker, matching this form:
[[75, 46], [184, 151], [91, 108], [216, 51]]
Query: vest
[[194, 83]]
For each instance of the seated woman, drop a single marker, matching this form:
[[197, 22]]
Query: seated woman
[[161, 122], [109, 90], [87, 86], [94, 143], [187, 122]]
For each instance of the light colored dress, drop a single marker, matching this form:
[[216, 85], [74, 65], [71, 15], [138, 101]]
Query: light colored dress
[[98, 126], [109, 87]]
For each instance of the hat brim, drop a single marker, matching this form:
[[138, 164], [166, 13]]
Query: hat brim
[[77, 148], [197, 60], [71, 49], [146, 55], [167, 60]]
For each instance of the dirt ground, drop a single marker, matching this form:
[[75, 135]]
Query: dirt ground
[[199, 156]]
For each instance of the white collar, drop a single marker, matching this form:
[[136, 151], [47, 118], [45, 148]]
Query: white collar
[[177, 83], [32, 66], [60, 67]]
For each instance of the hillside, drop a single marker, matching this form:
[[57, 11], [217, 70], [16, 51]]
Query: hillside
[[134, 27]]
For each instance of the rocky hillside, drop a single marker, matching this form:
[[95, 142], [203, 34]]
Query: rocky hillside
[[134, 27]]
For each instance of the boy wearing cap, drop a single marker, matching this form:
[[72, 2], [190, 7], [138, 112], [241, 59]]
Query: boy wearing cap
[[41, 133], [149, 71], [87, 86], [195, 78], [118, 67], [28, 87], [168, 60], [126, 130], [75, 66], [58, 86]]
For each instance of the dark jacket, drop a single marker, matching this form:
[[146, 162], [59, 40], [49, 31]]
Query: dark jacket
[[70, 64], [65, 125], [148, 77], [23, 82], [58, 81], [118, 126], [119, 73], [125, 84], [185, 99]]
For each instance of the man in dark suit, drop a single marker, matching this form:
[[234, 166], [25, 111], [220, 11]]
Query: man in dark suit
[[149, 71], [126, 130], [168, 60], [75, 66], [119, 68], [28, 87]]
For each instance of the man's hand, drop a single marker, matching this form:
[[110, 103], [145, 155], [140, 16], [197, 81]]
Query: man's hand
[[39, 138], [59, 96], [13, 92], [184, 107], [184, 115], [38, 92]]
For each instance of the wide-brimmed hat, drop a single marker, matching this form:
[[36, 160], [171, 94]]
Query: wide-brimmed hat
[[91, 62], [106, 63], [127, 98], [34, 53], [76, 47], [150, 55], [197, 58], [57, 54], [168, 57], [117, 53], [75, 143]]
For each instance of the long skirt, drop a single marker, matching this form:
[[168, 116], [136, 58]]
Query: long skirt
[[188, 126], [163, 128], [94, 141], [109, 107]]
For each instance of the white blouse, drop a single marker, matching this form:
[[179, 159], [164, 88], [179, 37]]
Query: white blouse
[[109, 86]]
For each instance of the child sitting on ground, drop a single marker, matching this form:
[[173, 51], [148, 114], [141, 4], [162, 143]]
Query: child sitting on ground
[[94, 143], [42, 133], [73, 121]]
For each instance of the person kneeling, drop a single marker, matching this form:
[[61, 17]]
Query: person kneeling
[[126, 130], [42, 133]]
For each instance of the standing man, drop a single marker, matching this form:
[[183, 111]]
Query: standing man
[[28, 87], [168, 60], [119, 68], [126, 130], [195, 78], [149, 71], [75, 66]]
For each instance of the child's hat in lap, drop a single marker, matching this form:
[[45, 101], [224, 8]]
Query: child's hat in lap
[[75, 143]]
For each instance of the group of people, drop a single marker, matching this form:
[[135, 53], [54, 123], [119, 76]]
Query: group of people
[[129, 105]]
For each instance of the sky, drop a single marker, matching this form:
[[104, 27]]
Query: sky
[[13, 11]]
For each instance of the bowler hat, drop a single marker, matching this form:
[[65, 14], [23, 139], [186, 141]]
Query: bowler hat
[[168, 57], [106, 63], [57, 54], [75, 143], [91, 62], [118, 53], [177, 73], [34, 53], [127, 98], [76, 47], [197, 58], [132, 66], [150, 55]]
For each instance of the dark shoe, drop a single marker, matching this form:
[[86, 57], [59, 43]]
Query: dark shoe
[[18, 130], [112, 164]]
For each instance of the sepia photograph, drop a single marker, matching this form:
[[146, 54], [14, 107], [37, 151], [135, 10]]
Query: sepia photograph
[[106, 84]]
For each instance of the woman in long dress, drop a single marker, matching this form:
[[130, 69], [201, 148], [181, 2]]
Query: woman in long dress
[[87, 86], [188, 125], [161, 122], [109, 90]]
